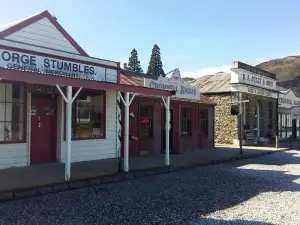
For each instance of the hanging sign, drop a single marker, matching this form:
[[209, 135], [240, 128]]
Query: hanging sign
[[183, 88], [41, 64]]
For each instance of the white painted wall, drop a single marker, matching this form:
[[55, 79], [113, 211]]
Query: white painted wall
[[85, 150], [56, 52], [13, 155], [43, 33], [17, 155]]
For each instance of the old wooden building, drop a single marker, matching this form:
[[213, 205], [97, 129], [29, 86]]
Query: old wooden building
[[191, 116]]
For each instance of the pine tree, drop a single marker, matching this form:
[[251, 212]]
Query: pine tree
[[155, 64], [134, 63]]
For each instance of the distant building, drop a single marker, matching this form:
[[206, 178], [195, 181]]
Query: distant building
[[288, 113], [258, 115]]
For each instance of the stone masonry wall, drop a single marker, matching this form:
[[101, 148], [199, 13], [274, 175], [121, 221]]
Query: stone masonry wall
[[226, 125]]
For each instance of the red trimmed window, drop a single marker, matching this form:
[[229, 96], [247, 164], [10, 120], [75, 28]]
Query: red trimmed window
[[88, 116], [12, 113], [203, 120], [186, 115], [145, 120]]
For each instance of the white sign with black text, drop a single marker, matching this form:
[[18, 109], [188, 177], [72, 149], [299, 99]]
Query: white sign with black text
[[48, 65], [175, 83], [244, 77], [253, 90]]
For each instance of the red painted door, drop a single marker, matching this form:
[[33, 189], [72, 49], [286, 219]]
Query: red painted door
[[43, 129]]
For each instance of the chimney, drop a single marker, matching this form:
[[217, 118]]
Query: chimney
[[125, 66], [55, 17]]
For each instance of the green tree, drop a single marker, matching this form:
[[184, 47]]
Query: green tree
[[134, 64], [155, 64]]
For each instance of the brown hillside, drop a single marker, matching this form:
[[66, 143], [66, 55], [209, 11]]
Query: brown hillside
[[286, 68]]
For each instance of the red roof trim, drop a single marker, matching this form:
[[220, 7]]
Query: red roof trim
[[36, 18], [28, 77]]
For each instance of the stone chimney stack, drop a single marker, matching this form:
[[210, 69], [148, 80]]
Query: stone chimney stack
[[125, 66]]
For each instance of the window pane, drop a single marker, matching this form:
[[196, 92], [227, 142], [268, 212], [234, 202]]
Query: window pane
[[203, 121], [2, 133], [16, 131], [88, 117], [186, 121], [17, 112], [8, 88], [145, 122], [2, 92], [8, 112], [18, 93], [2, 112], [145, 111]]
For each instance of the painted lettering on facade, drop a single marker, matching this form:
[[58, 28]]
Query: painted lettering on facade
[[258, 91], [41, 64], [183, 89], [257, 80]]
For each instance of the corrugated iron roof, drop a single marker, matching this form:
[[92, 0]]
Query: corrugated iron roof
[[137, 79], [213, 83]]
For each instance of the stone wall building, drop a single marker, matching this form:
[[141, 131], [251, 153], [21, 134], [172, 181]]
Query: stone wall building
[[243, 82]]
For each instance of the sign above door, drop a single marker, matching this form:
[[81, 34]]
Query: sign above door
[[48, 65]]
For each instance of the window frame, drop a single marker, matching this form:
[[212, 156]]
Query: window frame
[[24, 112], [189, 133], [104, 114], [140, 117], [206, 119]]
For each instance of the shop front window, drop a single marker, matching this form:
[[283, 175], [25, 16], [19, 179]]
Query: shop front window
[[186, 121], [203, 119], [145, 120], [88, 116], [12, 112]]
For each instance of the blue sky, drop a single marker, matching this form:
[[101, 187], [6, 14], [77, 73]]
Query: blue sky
[[194, 35]]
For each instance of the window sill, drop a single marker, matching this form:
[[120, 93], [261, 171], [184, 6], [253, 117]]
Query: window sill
[[87, 138], [186, 135], [13, 142]]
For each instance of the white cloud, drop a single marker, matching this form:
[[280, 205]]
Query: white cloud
[[207, 70]]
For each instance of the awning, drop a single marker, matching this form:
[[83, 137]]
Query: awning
[[40, 78]]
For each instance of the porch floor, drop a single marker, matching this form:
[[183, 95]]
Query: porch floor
[[46, 174]]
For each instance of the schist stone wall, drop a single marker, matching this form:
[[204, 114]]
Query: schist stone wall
[[227, 126]]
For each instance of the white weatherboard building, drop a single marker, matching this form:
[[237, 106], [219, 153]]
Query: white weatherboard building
[[57, 104], [288, 114]]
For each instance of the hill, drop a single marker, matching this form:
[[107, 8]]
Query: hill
[[286, 68]]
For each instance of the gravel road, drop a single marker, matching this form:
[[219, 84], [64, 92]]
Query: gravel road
[[265, 190]]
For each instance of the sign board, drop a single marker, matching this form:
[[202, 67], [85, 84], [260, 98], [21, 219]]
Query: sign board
[[252, 90], [253, 69], [183, 88], [239, 76], [295, 113], [48, 65], [288, 100]]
